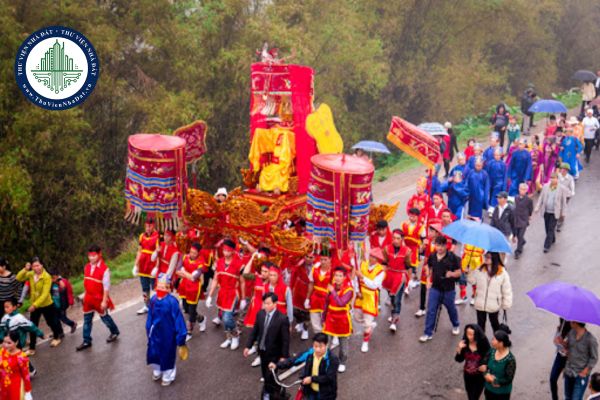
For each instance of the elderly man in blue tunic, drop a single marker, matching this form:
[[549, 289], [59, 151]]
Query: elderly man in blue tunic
[[496, 169], [166, 331], [519, 167], [478, 183], [488, 154]]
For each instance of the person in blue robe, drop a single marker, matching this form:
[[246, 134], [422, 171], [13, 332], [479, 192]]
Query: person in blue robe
[[570, 148], [470, 165], [166, 330], [461, 164], [496, 169], [435, 183], [458, 193], [488, 154], [478, 184], [519, 167]]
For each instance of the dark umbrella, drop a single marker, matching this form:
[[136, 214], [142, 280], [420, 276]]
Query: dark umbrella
[[584, 75]]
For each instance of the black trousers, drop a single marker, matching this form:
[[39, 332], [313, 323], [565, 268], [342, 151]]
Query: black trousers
[[482, 317], [192, 311], [50, 314], [269, 386], [474, 385], [587, 149], [550, 224], [493, 396], [520, 233]]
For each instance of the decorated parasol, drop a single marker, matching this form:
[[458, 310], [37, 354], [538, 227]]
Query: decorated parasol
[[339, 198], [156, 179]]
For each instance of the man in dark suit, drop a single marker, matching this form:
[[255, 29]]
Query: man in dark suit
[[502, 217], [272, 333], [522, 214]]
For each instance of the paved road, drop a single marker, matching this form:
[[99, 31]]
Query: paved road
[[397, 366]]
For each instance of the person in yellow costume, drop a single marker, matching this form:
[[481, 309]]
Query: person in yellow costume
[[370, 276], [472, 259], [272, 152]]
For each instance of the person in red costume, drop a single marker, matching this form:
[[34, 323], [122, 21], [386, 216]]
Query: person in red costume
[[419, 200], [228, 280], [320, 278], [144, 265], [167, 255], [382, 237], [434, 212], [397, 260], [299, 283], [338, 321], [413, 232], [96, 283], [193, 268]]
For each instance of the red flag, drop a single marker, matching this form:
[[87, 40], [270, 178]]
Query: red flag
[[414, 141], [195, 139]]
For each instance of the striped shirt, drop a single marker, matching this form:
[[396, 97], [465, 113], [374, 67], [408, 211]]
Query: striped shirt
[[9, 287]]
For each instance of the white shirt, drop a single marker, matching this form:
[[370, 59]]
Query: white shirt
[[590, 124], [501, 210]]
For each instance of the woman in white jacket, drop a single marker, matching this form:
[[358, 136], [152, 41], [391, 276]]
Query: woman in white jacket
[[494, 291]]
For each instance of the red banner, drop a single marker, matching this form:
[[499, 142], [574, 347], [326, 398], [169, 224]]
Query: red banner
[[414, 142], [195, 140]]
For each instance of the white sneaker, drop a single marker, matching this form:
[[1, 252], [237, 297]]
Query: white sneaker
[[472, 302], [202, 325], [420, 313], [216, 321], [256, 362], [407, 290], [425, 338], [456, 331], [364, 347], [414, 284], [188, 337], [155, 376], [252, 350], [235, 343], [460, 301], [388, 302], [299, 327], [335, 341], [304, 335], [390, 320], [142, 310], [393, 328], [342, 368], [226, 344]]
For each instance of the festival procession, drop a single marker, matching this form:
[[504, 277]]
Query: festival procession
[[471, 275]]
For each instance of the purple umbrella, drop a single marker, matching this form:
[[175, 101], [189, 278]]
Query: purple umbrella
[[567, 301]]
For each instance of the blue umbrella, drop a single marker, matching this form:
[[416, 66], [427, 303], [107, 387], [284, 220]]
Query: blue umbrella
[[479, 235], [548, 106], [567, 301], [433, 128], [372, 146]]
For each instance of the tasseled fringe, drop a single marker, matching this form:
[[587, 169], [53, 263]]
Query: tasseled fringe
[[136, 215]]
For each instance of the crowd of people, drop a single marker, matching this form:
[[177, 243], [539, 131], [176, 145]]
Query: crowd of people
[[327, 291]]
